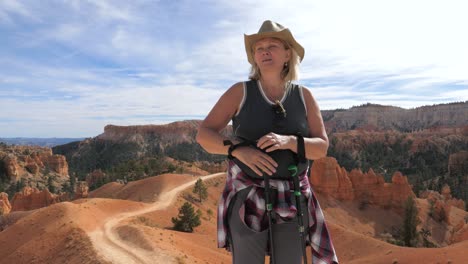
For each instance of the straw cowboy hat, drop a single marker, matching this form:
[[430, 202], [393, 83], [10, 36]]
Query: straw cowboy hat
[[270, 29]]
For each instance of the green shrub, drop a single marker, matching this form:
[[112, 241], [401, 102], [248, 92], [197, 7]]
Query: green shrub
[[187, 218]]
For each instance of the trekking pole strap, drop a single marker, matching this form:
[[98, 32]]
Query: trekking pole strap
[[300, 149]]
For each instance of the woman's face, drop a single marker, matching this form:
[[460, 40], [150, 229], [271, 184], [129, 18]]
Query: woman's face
[[270, 53]]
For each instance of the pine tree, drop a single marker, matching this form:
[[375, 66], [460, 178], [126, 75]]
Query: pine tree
[[425, 234], [187, 218], [71, 188], [201, 190], [410, 223], [50, 184]]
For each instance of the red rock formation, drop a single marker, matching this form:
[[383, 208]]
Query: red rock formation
[[439, 210], [445, 192], [400, 189], [442, 203], [32, 168], [31, 161], [366, 185], [459, 203], [13, 170], [329, 179], [5, 206], [94, 177], [58, 164], [31, 198], [81, 190], [461, 232]]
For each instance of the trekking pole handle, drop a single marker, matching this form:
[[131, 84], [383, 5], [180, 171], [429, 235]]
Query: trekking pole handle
[[293, 170]]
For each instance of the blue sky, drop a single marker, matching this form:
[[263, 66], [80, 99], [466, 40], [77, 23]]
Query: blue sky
[[68, 68]]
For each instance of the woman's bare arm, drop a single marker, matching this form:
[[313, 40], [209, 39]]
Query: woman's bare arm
[[208, 135], [316, 145], [211, 140]]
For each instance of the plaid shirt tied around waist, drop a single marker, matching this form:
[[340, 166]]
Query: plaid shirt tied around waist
[[255, 216]]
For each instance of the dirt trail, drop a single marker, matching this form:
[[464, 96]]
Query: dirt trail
[[108, 244]]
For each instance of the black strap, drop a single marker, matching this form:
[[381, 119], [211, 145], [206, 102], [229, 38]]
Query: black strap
[[227, 142], [233, 146], [300, 149]]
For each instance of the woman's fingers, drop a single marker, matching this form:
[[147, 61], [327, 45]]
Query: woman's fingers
[[255, 169], [267, 144], [272, 141], [257, 161], [270, 161], [272, 148], [266, 141], [266, 165]]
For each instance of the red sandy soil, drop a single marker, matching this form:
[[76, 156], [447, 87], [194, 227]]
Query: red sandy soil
[[146, 190], [134, 220]]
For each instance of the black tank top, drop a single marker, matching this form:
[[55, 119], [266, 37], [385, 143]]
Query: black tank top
[[257, 116]]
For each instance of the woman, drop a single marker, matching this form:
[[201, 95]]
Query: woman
[[273, 120]]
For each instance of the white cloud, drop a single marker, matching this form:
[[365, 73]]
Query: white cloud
[[12, 7], [109, 11], [99, 62], [66, 32]]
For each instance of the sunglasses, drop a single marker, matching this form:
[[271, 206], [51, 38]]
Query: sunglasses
[[279, 121], [279, 110]]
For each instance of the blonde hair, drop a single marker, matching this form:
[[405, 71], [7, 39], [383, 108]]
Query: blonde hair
[[289, 72]]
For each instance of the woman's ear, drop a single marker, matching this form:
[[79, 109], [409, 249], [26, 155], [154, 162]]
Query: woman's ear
[[288, 54]]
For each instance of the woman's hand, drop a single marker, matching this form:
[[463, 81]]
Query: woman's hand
[[256, 160], [271, 142]]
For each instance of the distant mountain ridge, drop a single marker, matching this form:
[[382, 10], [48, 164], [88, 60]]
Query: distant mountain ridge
[[119, 144], [41, 142], [381, 117], [176, 132], [177, 140]]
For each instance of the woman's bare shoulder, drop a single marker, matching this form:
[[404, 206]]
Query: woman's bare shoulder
[[234, 93], [309, 98], [236, 88]]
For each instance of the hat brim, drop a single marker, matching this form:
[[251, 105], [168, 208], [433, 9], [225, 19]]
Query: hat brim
[[284, 34]]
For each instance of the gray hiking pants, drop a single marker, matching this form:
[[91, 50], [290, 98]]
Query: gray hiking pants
[[249, 246]]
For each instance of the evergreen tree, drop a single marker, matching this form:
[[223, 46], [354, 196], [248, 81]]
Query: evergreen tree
[[187, 218], [71, 189], [410, 223], [50, 184], [425, 234], [201, 190], [20, 185]]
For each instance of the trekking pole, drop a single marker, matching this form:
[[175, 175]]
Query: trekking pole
[[299, 215], [269, 207]]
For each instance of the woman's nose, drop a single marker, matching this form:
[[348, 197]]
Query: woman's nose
[[262, 51], [265, 51]]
